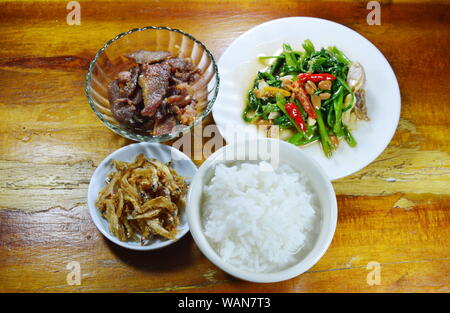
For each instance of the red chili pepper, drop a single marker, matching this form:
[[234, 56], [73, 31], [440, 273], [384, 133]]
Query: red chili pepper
[[302, 96], [315, 78], [295, 114]]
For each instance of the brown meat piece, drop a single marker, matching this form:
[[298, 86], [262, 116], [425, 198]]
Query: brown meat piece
[[154, 82], [137, 99], [123, 110], [183, 70], [148, 57], [180, 65], [123, 96], [188, 114], [179, 100], [124, 77], [164, 126], [115, 92], [182, 97], [141, 124], [174, 109], [162, 110], [124, 86]]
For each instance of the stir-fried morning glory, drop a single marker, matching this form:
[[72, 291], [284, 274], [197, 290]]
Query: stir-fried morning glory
[[310, 95]]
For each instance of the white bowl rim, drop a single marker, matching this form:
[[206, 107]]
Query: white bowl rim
[[93, 211], [325, 235]]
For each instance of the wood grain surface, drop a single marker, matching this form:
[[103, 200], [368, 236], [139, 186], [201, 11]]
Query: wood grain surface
[[394, 212]]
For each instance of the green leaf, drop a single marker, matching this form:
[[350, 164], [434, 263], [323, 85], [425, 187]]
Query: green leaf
[[283, 121], [309, 47]]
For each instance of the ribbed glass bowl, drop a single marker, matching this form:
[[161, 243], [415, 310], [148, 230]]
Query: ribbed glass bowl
[[110, 60]]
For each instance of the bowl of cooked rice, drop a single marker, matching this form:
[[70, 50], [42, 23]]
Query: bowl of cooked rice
[[262, 210]]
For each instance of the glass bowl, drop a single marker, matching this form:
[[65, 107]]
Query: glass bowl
[[110, 60]]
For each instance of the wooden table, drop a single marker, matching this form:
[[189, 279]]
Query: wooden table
[[394, 212]]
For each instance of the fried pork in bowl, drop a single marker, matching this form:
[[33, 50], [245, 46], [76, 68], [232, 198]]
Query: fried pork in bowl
[[152, 83]]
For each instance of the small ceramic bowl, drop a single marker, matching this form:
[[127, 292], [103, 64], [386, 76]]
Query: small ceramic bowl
[[284, 153], [110, 60], [179, 161]]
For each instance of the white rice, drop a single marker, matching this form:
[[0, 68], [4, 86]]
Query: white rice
[[257, 220]]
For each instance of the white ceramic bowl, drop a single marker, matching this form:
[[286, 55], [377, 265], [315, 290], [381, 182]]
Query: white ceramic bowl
[[180, 162], [287, 154]]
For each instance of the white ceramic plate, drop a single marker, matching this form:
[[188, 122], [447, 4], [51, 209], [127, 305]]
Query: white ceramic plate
[[180, 162], [239, 64]]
